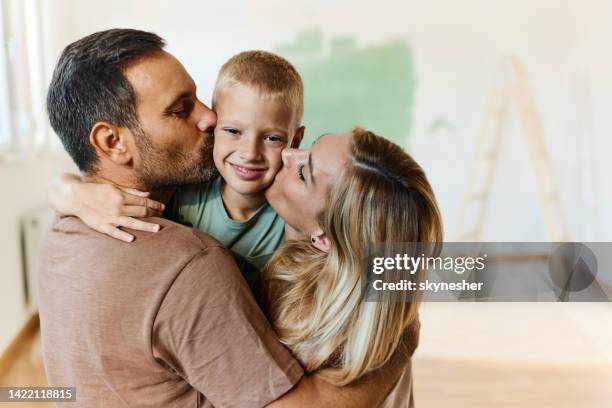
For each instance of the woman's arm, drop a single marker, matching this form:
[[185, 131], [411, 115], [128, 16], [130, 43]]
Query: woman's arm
[[104, 207]]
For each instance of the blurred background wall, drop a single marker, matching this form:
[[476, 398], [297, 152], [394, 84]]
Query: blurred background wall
[[417, 72]]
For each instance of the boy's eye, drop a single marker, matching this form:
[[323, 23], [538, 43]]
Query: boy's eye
[[231, 131], [301, 172], [274, 139]]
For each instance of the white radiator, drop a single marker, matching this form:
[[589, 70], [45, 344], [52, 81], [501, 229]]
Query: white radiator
[[34, 224]]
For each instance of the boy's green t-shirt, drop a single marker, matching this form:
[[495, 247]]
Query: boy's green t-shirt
[[252, 241]]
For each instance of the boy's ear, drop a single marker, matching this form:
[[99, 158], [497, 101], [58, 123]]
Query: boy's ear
[[321, 242], [110, 141], [297, 138]]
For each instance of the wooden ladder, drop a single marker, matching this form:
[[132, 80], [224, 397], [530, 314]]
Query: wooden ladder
[[513, 85]]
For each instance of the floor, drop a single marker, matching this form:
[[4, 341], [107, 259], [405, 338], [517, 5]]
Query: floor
[[26, 370], [463, 384], [475, 356]]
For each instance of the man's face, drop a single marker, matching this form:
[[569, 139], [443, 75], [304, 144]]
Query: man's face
[[175, 146]]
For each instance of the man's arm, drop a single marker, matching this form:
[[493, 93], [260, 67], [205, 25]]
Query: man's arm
[[210, 331], [369, 391]]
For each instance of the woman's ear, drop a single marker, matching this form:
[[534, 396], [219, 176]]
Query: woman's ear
[[110, 142], [321, 242]]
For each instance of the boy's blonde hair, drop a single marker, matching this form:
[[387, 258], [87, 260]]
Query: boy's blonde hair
[[268, 73]]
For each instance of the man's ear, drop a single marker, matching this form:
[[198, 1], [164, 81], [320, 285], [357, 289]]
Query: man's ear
[[110, 141], [321, 242], [297, 138]]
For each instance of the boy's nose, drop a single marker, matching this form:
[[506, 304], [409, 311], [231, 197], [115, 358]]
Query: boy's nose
[[250, 150], [207, 119]]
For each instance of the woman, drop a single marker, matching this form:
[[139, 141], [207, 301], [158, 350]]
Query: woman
[[347, 192], [356, 189]]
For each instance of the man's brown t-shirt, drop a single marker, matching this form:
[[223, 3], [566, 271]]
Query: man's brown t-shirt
[[165, 321]]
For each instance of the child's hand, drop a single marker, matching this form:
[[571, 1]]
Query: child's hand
[[104, 207]]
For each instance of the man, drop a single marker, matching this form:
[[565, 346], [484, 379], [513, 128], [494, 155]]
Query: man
[[167, 320]]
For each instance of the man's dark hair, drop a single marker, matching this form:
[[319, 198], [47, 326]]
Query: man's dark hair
[[89, 86]]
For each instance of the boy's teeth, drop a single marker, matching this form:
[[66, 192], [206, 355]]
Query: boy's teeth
[[246, 171]]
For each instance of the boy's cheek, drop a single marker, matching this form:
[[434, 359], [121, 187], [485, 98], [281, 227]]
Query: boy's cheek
[[220, 148], [276, 163], [218, 157]]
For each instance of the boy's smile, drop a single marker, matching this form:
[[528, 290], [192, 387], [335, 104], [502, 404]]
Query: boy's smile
[[248, 173]]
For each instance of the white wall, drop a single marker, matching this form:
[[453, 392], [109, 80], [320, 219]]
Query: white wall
[[24, 186], [457, 48], [26, 169]]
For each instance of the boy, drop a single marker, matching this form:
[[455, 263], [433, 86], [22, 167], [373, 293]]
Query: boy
[[259, 101]]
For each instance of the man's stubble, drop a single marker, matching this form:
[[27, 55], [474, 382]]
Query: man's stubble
[[173, 166]]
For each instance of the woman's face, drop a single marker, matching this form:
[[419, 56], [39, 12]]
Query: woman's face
[[299, 191]]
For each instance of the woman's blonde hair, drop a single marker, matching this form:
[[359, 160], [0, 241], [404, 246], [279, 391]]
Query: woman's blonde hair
[[315, 299]]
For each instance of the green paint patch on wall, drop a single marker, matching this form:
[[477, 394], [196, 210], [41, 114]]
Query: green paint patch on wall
[[347, 85]]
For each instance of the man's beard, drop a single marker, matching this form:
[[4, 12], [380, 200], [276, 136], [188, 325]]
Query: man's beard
[[173, 166]]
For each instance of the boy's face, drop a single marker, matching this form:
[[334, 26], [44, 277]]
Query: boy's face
[[251, 132]]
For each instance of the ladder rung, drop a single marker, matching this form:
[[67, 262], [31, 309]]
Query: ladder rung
[[468, 235], [552, 196]]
